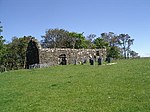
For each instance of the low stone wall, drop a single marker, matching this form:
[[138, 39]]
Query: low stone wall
[[48, 55]]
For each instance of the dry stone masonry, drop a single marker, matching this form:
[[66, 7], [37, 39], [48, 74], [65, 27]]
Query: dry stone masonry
[[70, 55], [55, 56]]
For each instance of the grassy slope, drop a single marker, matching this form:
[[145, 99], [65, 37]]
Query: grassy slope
[[124, 87]]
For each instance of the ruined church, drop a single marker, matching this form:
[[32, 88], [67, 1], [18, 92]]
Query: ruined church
[[35, 54]]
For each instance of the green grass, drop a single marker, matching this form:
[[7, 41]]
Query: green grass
[[123, 87]]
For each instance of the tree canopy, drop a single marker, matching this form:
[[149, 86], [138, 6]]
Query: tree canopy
[[13, 54]]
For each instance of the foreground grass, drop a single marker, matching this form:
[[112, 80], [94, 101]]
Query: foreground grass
[[124, 87]]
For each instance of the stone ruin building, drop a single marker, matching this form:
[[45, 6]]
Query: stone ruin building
[[35, 54]]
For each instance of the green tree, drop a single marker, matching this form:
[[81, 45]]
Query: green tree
[[91, 39], [125, 42], [2, 47], [16, 53], [134, 54], [111, 38], [73, 36], [60, 38], [100, 43], [80, 41], [1, 29], [130, 42], [55, 38], [113, 52], [2, 50]]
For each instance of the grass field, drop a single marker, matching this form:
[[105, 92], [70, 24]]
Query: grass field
[[122, 87]]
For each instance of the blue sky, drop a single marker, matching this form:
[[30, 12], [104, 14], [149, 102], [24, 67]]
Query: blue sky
[[33, 17]]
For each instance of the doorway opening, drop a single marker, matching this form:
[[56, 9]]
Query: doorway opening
[[63, 59]]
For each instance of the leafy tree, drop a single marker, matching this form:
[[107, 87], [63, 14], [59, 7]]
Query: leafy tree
[[134, 54], [74, 37], [111, 38], [16, 53], [2, 50], [130, 42], [1, 28], [125, 42], [100, 43], [113, 52], [2, 47], [91, 38], [80, 41], [110, 42], [60, 38], [55, 38], [1, 39]]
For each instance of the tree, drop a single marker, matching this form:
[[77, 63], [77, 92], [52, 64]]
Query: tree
[[130, 42], [115, 42], [73, 36], [16, 53], [1, 28], [125, 42], [55, 38], [91, 38], [2, 47], [60, 38], [100, 43], [111, 38], [113, 52], [1, 39], [134, 54], [80, 41]]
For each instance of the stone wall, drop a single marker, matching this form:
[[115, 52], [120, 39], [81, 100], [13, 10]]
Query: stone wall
[[48, 55]]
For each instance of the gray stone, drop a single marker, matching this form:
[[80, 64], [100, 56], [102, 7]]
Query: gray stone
[[66, 55], [48, 55]]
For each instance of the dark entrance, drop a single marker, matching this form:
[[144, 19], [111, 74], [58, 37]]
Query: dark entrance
[[32, 54], [63, 60]]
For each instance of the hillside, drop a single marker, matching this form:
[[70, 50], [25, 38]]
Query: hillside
[[122, 87]]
